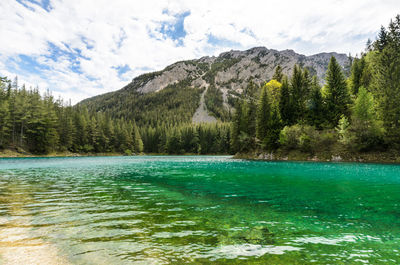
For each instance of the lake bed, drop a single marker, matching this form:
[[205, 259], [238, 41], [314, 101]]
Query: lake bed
[[197, 210]]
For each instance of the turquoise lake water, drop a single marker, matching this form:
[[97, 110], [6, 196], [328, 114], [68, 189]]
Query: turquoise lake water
[[201, 210]]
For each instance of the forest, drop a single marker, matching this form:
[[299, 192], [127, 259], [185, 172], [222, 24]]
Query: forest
[[354, 112], [40, 125], [31, 123], [360, 113]]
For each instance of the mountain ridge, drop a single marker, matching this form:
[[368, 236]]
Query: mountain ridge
[[289, 58], [226, 74]]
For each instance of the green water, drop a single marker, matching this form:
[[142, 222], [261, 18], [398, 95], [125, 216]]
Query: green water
[[200, 210]]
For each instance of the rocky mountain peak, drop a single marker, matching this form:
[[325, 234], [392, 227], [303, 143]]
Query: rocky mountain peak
[[231, 71]]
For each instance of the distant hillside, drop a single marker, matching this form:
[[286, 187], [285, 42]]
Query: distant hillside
[[200, 90]]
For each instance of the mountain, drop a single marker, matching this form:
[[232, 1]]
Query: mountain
[[202, 90]]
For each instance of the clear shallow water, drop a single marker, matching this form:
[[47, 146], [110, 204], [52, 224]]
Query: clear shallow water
[[200, 210]]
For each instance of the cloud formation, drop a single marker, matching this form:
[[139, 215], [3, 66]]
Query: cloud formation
[[79, 49]]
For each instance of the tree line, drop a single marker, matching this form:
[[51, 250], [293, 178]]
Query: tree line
[[358, 114], [40, 124], [213, 138]]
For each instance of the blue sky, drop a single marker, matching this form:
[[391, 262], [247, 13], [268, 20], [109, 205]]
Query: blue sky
[[81, 48]]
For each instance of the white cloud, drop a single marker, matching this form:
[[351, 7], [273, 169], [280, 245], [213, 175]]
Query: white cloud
[[111, 35]]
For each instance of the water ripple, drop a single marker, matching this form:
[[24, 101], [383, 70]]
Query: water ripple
[[197, 210]]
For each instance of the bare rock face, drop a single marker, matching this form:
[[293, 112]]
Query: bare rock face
[[174, 74], [232, 70]]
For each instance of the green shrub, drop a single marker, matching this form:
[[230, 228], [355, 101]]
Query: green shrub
[[288, 137], [128, 152], [327, 138], [306, 138]]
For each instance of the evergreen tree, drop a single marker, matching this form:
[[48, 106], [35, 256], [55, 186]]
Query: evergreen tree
[[4, 113], [50, 124], [315, 108], [382, 39], [41, 126], [251, 116], [386, 83], [356, 75], [137, 140], [162, 139], [337, 97], [235, 128], [278, 75], [4, 123], [306, 89], [271, 141], [297, 93], [285, 106], [173, 144], [247, 126], [263, 115], [94, 135], [80, 136]]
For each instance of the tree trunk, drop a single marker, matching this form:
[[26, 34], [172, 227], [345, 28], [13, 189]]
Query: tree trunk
[[22, 134]]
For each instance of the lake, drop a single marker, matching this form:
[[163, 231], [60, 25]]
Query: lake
[[197, 210]]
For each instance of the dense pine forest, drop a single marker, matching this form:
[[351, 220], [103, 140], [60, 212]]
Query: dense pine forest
[[354, 111], [41, 125], [357, 114]]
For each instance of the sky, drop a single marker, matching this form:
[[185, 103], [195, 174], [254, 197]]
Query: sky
[[81, 48]]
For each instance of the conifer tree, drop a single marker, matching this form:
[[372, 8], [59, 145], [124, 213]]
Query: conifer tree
[[285, 106], [263, 115], [316, 111], [252, 112], [356, 75], [337, 97], [297, 97], [386, 82], [173, 144], [235, 128], [271, 141], [247, 125], [278, 75], [138, 143], [382, 39], [4, 113]]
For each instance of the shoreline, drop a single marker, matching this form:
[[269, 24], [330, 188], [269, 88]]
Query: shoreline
[[389, 157], [14, 154], [7, 153]]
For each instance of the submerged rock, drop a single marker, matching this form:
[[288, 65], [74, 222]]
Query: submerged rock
[[259, 235]]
